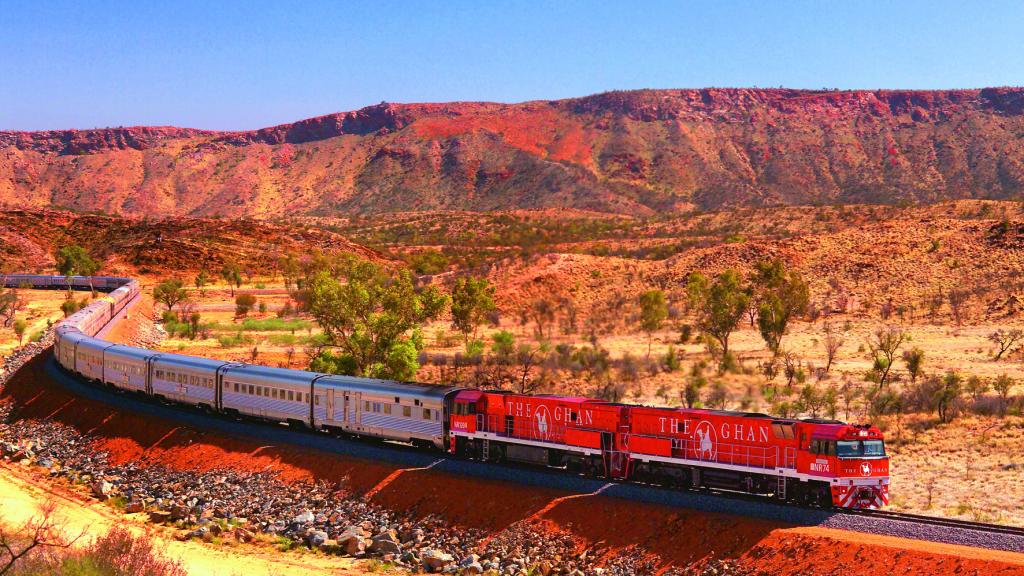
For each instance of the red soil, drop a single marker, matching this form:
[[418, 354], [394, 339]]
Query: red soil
[[677, 536]]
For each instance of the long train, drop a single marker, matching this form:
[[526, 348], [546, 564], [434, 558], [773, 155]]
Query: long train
[[822, 462]]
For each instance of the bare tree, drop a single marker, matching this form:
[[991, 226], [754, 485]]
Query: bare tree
[[833, 341], [38, 533], [1005, 340], [11, 302], [884, 345]]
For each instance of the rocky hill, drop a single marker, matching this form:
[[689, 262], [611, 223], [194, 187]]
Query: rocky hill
[[28, 240], [638, 152]]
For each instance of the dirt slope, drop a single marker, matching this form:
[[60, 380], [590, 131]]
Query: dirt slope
[[639, 152]]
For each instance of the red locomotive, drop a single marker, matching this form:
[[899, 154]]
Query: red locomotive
[[821, 462]]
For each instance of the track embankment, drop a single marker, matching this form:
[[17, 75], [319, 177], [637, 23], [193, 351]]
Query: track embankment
[[484, 499]]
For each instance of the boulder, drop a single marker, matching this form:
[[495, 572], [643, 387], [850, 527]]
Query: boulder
[[303, 518], [435, 559], [385, 544], [159, 516], [316, 538], [102, 489], [134, 506]]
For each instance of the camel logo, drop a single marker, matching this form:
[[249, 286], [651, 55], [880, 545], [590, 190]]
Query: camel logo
[[543, 418], [707, 441], [865, 469]]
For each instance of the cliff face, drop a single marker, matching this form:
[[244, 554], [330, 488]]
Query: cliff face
[[638, 152]]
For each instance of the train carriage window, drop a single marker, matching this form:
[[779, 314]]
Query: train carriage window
[[407, 411], [426, 414], [387, 408], [252, 390], [291, 396], [273, 393], [316, 399], [366, 406], [235, 386]]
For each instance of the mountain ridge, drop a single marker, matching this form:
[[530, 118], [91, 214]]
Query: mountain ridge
[[635, 152]]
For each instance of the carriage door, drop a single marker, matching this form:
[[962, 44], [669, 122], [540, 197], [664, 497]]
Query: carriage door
[[359, 409], [330, 404], [346, 406]]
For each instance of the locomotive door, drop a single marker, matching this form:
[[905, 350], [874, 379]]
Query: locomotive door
[[616, 462]]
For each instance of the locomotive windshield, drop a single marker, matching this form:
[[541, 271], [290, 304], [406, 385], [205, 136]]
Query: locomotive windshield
[[860, 449]]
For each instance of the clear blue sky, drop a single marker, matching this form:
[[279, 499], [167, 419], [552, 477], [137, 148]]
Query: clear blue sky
[[236, 65]]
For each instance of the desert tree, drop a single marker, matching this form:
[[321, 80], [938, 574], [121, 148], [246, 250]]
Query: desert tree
[[373, 317], [19, 330], [948, 396], [73, 260], [244, 303], [719, 304], [542, 312], [232, 274], [202, 281], [792, 367], [784, 295], [472, 301], [976, 387], [170, 292], [1002, 385], [1005, 340], [849, 394], [11, 302], [528, 357], [884, 344], [832, 342], [914, 361], [653, 312]]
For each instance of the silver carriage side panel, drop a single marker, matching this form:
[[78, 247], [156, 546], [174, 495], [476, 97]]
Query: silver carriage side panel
[[383, 408], [273, 393], [125, 367], [89, 357], [68, 338], [185, 379]]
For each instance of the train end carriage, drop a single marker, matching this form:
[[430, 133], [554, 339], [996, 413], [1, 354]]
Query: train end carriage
[[847, 463], [400, 411], [127, 367], [581, 434], [184, 379], [276, 394]]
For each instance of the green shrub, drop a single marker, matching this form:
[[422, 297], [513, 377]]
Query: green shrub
[[234, 340], [275, 325]]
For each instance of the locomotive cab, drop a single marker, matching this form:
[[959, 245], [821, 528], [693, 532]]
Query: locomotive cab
[[464, 410], [853, 462]]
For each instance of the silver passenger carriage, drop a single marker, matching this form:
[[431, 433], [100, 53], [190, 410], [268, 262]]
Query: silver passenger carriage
[[89, 357], [406, 412], [66, 339], [277, 394], [126, 367], [185, 379]]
